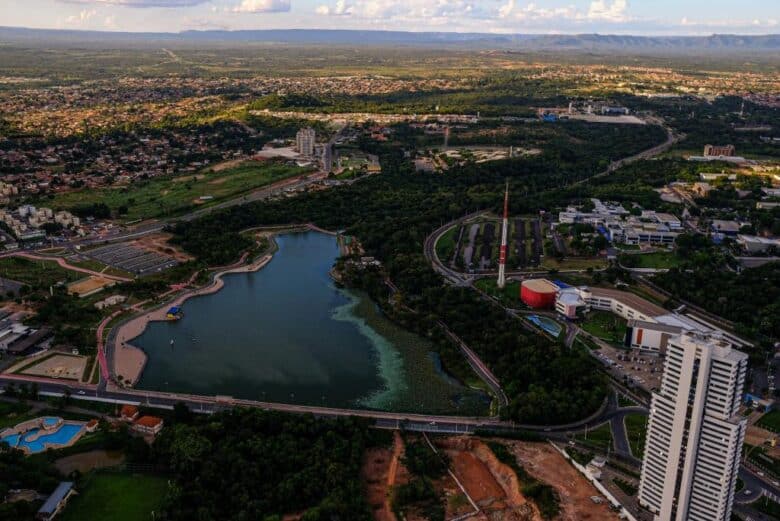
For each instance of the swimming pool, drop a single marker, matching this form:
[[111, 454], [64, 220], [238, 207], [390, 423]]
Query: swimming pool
[[34, 441], [548, 324]]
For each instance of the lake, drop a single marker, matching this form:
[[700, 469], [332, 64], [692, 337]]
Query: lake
[[287, 334]]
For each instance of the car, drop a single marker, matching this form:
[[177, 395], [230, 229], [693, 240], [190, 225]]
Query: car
[[747, 492], [81, 393]]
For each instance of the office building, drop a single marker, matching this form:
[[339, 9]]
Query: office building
[[695, 435]]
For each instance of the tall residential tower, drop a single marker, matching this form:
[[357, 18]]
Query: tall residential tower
[[694, 436], [304, 141]]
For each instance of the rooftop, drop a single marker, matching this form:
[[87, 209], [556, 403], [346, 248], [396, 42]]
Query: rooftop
[[629, 299], [62, 490]]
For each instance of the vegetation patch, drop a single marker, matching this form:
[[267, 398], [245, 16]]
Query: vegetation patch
[[770, 421], [605, 325], [636, 430], [600, 437], [119, 497]]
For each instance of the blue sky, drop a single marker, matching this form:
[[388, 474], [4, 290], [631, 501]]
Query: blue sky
[[498, 16]]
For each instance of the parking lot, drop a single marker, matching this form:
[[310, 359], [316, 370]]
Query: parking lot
[[132, 258], [641, 369]]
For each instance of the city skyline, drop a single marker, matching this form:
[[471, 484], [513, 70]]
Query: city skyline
[[693, 17]]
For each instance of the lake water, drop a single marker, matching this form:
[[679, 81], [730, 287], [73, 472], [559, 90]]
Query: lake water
[[286, 333]]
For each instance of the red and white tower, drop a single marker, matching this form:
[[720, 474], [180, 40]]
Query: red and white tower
[[504, 233]]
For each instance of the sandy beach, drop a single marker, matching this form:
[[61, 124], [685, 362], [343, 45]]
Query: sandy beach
[[129, 360]]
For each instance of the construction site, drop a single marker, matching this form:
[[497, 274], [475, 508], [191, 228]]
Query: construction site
[[484, 480]]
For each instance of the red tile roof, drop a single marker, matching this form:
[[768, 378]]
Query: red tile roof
[[148, 421]]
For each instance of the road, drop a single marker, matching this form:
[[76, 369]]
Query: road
[[64, 264]]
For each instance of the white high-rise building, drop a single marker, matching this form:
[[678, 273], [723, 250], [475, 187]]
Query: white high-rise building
[[304, 141], [694, 435]]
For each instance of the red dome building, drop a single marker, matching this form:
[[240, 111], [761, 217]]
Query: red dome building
[[538, 293]]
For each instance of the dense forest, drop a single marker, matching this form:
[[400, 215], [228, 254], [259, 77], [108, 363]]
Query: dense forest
[[393, 213], [750, 298], [247, 464]]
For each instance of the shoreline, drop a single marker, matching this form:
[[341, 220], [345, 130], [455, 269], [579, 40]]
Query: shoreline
[[129, 361]]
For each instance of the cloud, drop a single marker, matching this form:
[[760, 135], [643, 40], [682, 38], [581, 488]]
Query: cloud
[[431, 11], [612, 12], [340, 9], [139, 3], [80, 18], [263, 6]]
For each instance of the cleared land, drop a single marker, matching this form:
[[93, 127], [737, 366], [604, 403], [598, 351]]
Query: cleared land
[[174, 195], [118, 497], [70, 367], [546, 464], [89, 285]]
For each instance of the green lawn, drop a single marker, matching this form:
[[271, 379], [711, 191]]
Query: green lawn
[[770, 421], [605, 325], [636, 430], [573, 263], [117, 497], [768, 507], [40, 274], [600, 437], [658, 260], [445, 246], [175, 195], [509, 296], [13, 413]]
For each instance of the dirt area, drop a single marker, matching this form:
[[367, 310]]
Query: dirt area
[[218, 181], [225, 165], [91, 284], [382, 469], [543, 462], [86, 461], [70, 367], [158, 243], [758, 436], [185, 178], [492, 485]]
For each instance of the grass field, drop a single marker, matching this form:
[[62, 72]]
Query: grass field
[[13, 413], [445, 246], [118, 497], [770, 421], [573, 263], [605, 325], [175, 195], [509, 296], [36, 273], [658, 260], [600, 437], [636, 430]]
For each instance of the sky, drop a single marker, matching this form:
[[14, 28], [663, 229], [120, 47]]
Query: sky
[[640, 17]]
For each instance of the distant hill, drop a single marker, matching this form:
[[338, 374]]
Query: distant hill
[[719, 43]]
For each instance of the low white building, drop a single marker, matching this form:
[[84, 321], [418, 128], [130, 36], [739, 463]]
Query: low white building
[[755, 244]]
